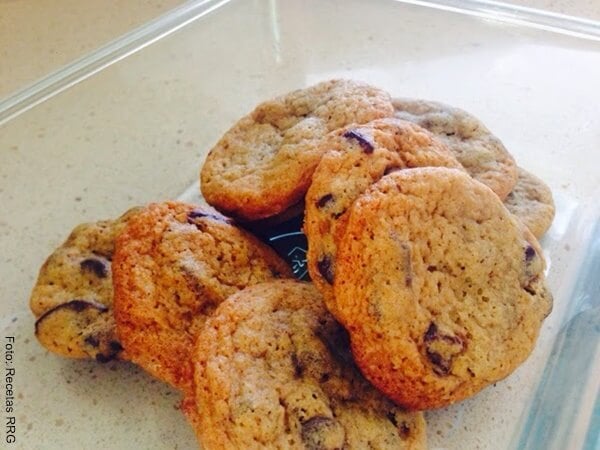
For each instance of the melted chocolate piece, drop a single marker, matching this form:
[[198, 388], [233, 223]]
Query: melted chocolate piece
[[325, 267], [199, 214], [362, 141], [441, 366], [324, 200], [322, 433], [298, 369], [115, 346], [392, 418], [529, 253], [76, 305], [94, 266], [450, 345], [404, 430]]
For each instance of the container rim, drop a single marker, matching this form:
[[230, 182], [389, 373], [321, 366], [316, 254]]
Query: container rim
[[71, 74]]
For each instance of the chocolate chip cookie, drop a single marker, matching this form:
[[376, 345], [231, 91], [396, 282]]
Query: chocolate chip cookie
[[480, 152], [441, 289], [73, 296], [531, 201], [273, 370], [173, 264], [354, 158], [264, 163]]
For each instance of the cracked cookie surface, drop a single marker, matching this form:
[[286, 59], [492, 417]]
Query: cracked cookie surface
[[73, 295], [173, 264], [276, 372], [441, 289], [480, 152], [263, 164], [354, 158]]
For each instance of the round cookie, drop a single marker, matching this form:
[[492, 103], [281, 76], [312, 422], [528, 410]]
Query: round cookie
[[354, 158], [273, 370], [173, 264], [480, 152], [263, 164], [73, 295], [531, 201], [441, 289]]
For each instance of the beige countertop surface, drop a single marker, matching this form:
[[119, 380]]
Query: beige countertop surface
[[138, 131], [58, 32]]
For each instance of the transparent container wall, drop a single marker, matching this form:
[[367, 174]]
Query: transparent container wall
[[138, 131]]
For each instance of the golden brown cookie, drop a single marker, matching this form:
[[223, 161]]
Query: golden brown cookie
[[173, 264], [531, 201], [354, 158], [273, 370], [480, 152], [263, 164], [73, 295], [441, 289]]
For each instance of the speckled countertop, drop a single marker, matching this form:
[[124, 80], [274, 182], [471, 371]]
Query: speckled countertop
[[137, 132], [61, 31]]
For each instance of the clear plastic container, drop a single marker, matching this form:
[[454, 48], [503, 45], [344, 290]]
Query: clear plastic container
[[131, 124]]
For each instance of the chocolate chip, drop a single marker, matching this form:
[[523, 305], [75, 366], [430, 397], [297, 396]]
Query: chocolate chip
[[362, 141], [200, 214], [441, 349], [115, 346], [95, 266], [431, 333], [80, 305], [529, 290], [404, 430], [298, 369], [402, 427], [324, 200], [322, 433], [392, 418], [441, 366], [104, 358], [529, 253], [75, 305], [326, 268]]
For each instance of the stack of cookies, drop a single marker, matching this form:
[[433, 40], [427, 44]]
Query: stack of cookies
[[427, 277]]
